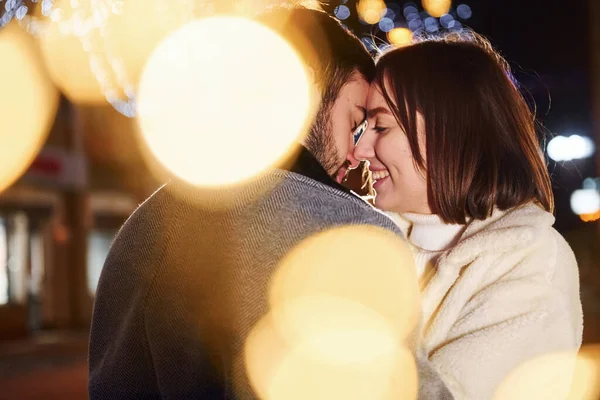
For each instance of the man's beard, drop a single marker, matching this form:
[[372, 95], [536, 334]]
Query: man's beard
[[321, 143]]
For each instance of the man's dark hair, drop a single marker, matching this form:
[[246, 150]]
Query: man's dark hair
[[334, 54]]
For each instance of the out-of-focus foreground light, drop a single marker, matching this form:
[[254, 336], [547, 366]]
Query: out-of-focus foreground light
[[67, 61], [400, 37], [28, 103], [555, 376], [92, 54], [280, 370], [437, 8], [363, 264], [222, 99], [585, 201], [562, 148], [371, 11], [342, 304]]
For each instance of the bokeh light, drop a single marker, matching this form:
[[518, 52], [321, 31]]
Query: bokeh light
[[400, 37], [410, 10], [336, 263], [386, 24], [28, 103], [66, 60], [335, 329], [431, 24], [342, 304], [208, 121], [590, 217], [371, 11], [390, 13], [464, 11], [562, 148], [94, 55], [342, 12], [446, 19], [555, 376], [280, 370], [437, 8], [585, 201], [415, 24]]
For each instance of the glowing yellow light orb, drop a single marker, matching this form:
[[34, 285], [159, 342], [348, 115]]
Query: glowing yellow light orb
[[127, 37], [280, 370], [371, 11], [222, 99], [400, 37], [28, 103], [564, 375], [437, 8], [134, 32], [365, 265], [335, 329], [67, 61]]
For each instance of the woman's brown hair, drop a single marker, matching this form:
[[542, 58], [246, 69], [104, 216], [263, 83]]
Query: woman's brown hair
[[482, 148]]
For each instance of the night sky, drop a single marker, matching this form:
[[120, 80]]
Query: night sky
[[547, 45]]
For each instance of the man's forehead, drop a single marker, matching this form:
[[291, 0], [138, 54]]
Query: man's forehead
[[355, 93]]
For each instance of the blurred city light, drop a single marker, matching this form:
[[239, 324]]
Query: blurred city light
[[339, 317], [446, 19], [585, 201], [562, 148], [386, 24], [590, 217], [410, 10], [415, 24], [431, 24], [28, 103], [222, 126], [342, 12], [400, 37], [437, 8], [18, 9], [390, 13], [371, 11], [464, 11]]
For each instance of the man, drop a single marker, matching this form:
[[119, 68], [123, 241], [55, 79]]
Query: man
[[185, 279]]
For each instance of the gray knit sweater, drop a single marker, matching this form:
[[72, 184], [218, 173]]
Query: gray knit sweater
[[186, 279]]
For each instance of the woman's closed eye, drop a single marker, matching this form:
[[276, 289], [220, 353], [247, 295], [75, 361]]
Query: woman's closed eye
[[380, 129]]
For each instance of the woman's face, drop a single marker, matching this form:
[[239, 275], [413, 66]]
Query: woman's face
[[399, 184]]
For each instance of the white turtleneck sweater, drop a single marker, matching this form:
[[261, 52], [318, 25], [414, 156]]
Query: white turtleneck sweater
[[429, 237], [495, 294]]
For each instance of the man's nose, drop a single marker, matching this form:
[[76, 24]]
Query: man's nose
[[364, 150], [353, 162]]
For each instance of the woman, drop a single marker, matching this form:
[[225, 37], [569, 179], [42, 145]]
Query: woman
[[454, 157]]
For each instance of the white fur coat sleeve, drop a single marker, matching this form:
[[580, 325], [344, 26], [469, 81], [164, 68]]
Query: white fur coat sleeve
[[501, 312]]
